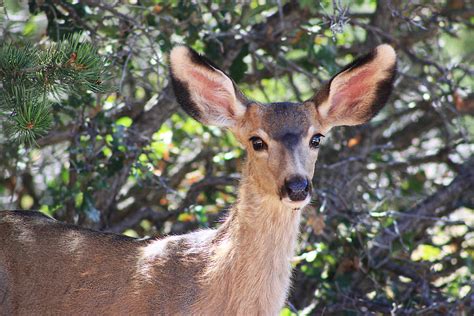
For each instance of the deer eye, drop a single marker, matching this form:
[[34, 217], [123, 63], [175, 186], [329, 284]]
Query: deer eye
[[258, 143], [315, 141]]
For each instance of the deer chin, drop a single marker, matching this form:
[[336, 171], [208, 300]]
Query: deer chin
[[295, 205]]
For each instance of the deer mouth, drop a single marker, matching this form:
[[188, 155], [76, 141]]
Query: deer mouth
[[295, 205]]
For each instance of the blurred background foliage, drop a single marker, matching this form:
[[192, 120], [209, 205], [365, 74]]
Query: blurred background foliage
[[391, 226]]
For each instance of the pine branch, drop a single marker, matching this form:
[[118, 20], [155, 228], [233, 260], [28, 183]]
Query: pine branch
[[30, 79]]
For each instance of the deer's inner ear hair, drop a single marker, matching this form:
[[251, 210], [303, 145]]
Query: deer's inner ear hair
[[258, 144]]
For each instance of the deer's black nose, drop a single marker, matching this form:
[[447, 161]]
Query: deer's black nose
[[297, 188]]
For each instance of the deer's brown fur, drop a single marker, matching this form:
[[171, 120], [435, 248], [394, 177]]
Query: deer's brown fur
[[47, 267]]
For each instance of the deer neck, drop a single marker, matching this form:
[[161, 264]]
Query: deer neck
[[250, 262], [262, 224]]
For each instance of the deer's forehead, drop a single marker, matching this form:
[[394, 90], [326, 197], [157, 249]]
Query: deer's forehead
[[281, 119]]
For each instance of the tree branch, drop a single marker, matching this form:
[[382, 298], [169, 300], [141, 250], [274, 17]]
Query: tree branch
[[434, 205]]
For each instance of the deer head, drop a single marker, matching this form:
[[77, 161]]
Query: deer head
[[283, 139]]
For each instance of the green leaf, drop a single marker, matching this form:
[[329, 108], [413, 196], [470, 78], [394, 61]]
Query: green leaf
[[286, 312], [426, 253], [124, 121], [239, 67], [30, 27]]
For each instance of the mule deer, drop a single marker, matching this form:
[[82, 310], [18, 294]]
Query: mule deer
[[243, 267]]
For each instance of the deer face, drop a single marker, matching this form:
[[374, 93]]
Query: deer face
[[283, 139]]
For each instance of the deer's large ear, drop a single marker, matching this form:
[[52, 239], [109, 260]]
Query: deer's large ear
[[204, 91], [359, 91]]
